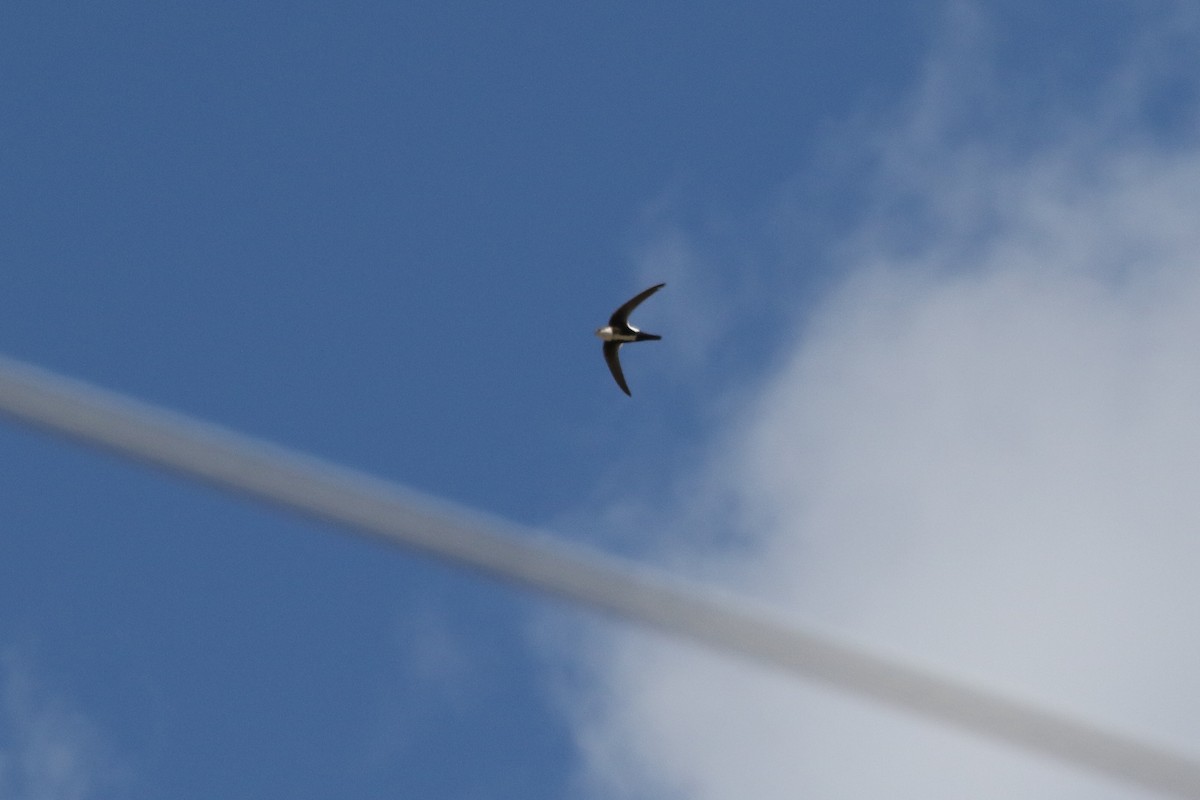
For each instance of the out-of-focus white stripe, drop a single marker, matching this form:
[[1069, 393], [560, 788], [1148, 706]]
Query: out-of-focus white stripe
[[367, 505]]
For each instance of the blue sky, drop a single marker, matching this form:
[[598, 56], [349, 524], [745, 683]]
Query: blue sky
[[384, 233]]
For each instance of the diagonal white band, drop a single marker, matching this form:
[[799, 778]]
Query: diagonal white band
[[368, 505]]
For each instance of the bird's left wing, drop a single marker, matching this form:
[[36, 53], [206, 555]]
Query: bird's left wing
[[614, 365]]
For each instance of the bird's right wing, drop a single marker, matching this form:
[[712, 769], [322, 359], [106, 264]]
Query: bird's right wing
[[621, 315], [614, 365]]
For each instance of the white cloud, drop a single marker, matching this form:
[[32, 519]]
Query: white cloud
[[983, 452]]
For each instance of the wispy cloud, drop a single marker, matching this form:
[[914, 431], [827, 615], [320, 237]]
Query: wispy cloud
[[48, 750], [433, 662], [982, 451]]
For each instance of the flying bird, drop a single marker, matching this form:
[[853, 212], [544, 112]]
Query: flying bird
[[618, 331]]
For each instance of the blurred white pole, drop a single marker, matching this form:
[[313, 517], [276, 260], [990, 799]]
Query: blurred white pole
[[368, 505]]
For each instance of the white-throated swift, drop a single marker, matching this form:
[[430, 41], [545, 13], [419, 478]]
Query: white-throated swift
[[618, 331]]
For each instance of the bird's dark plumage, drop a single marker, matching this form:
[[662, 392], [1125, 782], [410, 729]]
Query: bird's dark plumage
[[620, 332], [614, 365], [620, 317]]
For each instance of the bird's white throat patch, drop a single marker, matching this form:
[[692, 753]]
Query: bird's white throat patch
[[609, 335]]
